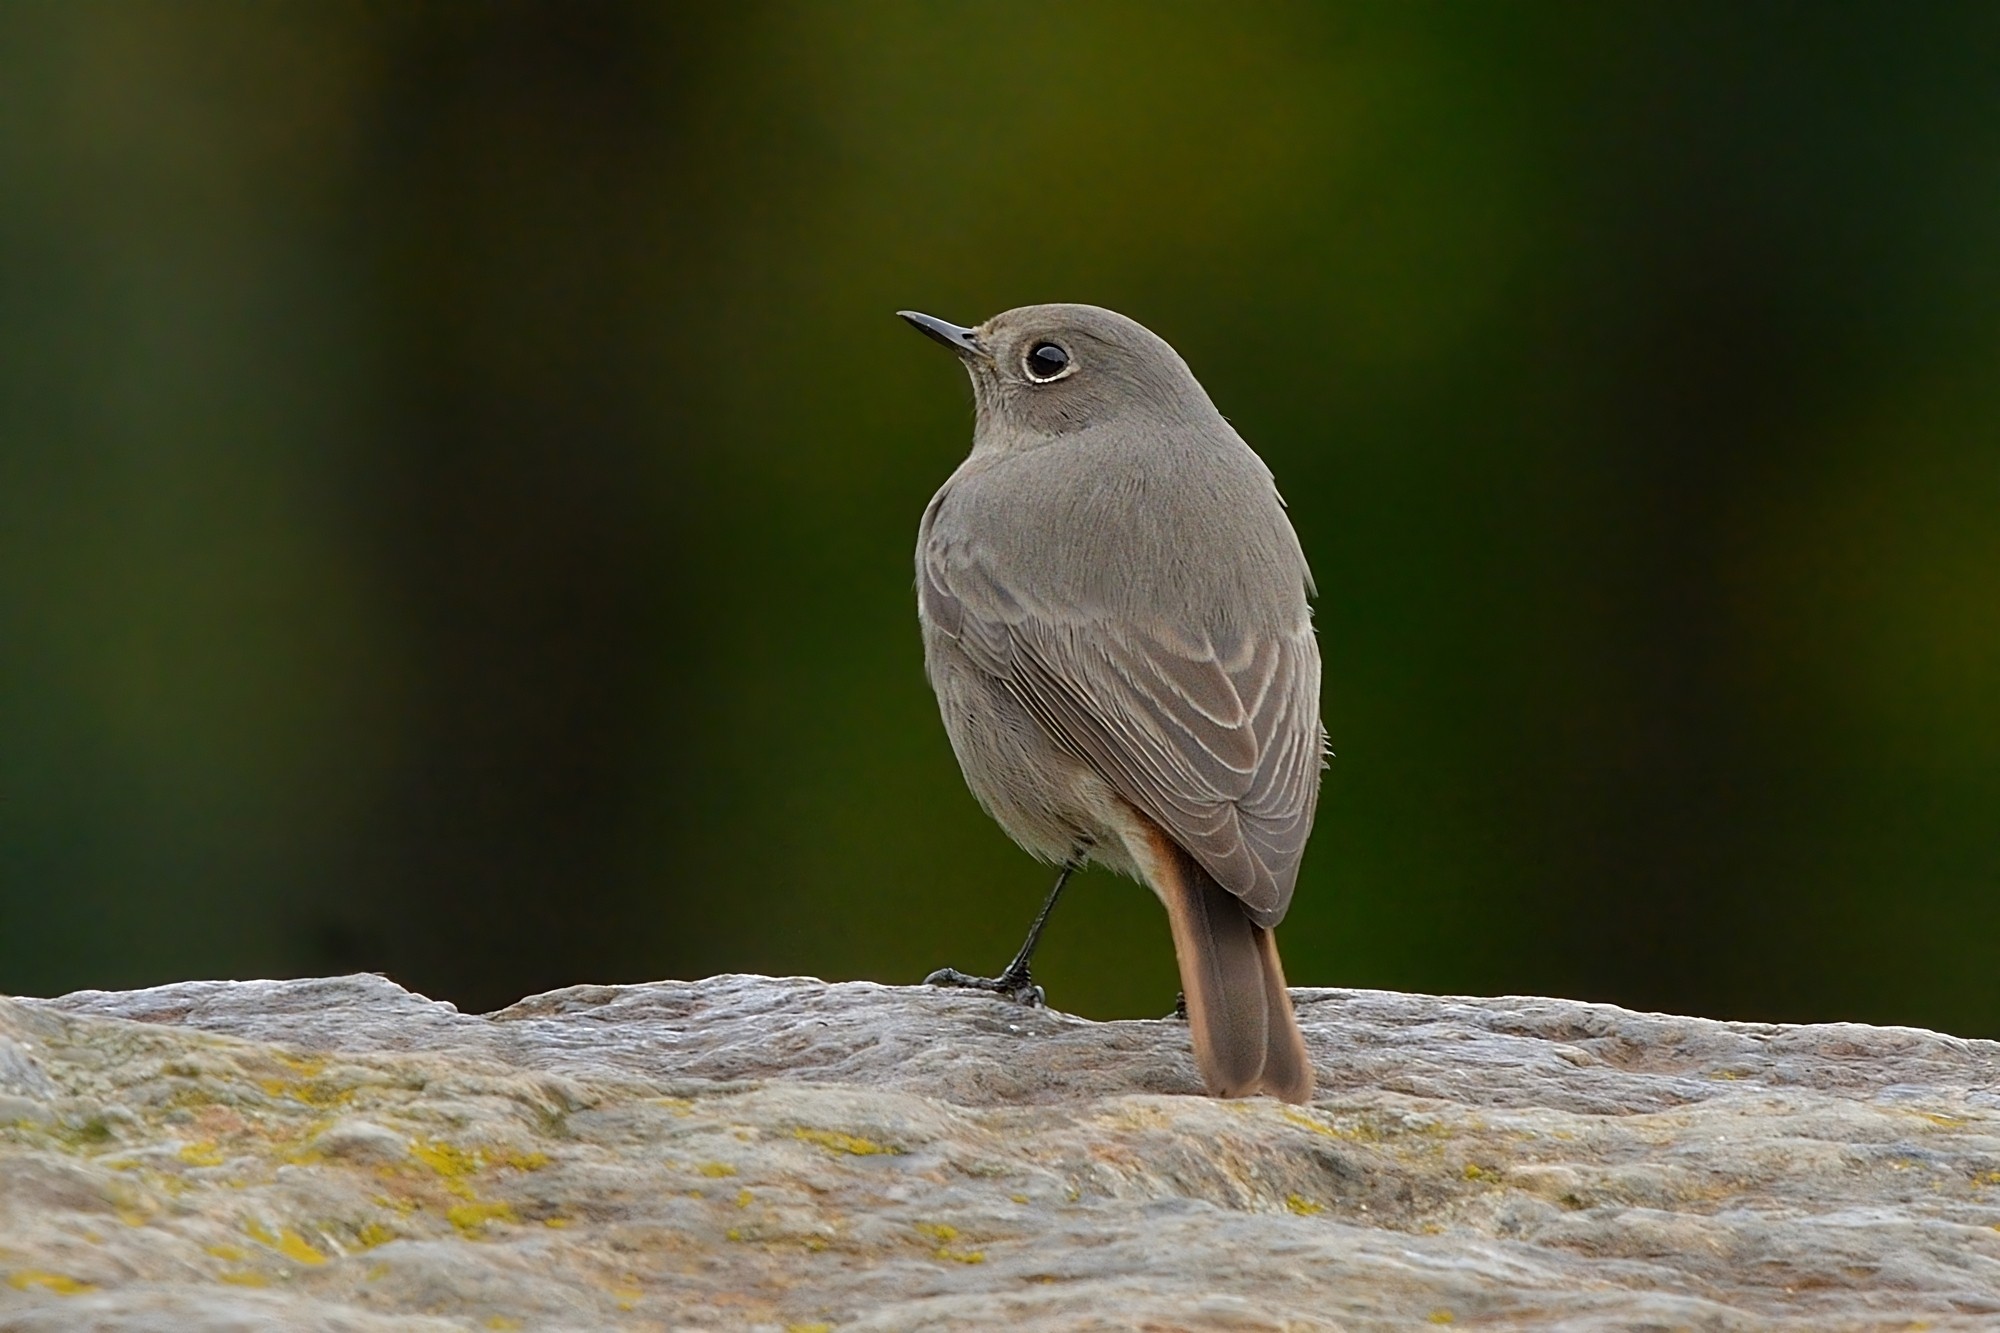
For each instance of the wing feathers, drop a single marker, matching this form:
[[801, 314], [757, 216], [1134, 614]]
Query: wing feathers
[[1218, 742]]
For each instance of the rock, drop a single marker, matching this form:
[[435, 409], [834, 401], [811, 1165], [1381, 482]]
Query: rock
[[751, 1153]]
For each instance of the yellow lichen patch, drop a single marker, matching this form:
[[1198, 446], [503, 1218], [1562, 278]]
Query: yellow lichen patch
[[627, 1297], [736, 1233], [716, 1170], [373, 1234], [204, 1153], [471, 1218], [297, 1248], [286, 1242], [321, 1093], [743, 1198], [502, 1321], [944, 1234], [556, 1222], [1473, 1171], [55, 1282], [678, 1105], [243, 1277], [1945, 1121], [445, 1159], [1987, 1178], [304, 1084], [235, 1254], [1313, 1123], [835, 1141], [1442, 1317], [1301, 1205], [455, 1163], [1018, 1198]]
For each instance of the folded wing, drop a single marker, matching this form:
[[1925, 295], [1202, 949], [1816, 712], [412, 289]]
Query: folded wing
[[1217, 742]]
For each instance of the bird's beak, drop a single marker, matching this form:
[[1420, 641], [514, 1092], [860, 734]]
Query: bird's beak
[[957, 339]]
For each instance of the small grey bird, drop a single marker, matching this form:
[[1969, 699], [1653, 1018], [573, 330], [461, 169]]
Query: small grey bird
[[1115, 623]]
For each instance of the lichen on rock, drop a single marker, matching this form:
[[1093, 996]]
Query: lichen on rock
[[758, 1153]]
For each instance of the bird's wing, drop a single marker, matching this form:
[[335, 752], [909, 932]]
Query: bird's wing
[[1220, 744]]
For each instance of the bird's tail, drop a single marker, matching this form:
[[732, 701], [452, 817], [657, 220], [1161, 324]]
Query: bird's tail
[[1246, 1038]]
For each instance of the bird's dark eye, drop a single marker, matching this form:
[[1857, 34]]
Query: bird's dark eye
[[1046, 361]]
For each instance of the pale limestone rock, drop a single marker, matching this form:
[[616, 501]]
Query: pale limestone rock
[[751, 1153]]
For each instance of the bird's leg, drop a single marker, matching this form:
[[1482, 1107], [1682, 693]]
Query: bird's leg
[[1014, 982]]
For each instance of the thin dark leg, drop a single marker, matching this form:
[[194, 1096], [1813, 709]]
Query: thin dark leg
[[1014, 982]]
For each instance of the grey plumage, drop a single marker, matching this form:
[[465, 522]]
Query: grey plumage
[[1116, 626]]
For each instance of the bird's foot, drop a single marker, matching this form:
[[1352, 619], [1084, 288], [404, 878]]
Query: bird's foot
[[1180, 1006], [1009, 985]]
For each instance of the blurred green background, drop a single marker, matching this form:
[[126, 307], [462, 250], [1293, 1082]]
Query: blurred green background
[[459, 470]]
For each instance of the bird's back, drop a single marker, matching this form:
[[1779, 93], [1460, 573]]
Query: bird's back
[[1144, 597], [1185, 534]]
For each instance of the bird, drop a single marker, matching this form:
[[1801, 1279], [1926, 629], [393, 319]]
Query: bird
[[1116, 621]]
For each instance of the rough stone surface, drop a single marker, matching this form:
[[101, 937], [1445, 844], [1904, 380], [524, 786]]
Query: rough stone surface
[[746, 1153]]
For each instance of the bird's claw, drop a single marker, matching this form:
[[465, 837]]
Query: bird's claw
[[1019, 988]]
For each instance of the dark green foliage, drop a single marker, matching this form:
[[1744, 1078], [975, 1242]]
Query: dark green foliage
[[459, 466]]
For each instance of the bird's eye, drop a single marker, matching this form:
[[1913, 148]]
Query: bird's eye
[[1046, 361]]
